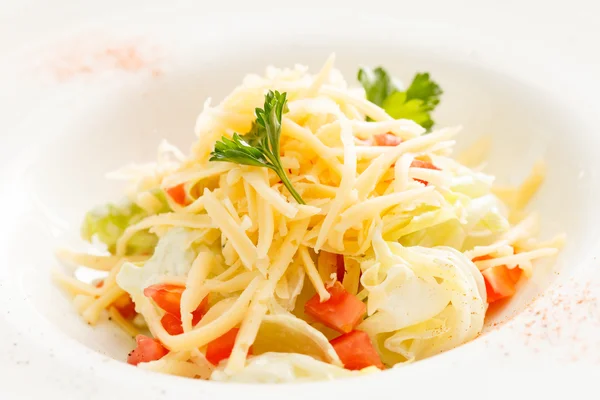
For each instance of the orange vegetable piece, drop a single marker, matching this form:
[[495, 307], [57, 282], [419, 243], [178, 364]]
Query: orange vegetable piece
[[178, 194], [220, 348], [341, 312], [356, 351], [147, 350], [125, 306], [423, 164], [386, 139]]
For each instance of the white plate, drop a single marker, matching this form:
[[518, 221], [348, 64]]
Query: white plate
[[94, 86]]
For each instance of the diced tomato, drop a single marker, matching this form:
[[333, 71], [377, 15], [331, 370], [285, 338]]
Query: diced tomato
[[172, 324], [386, 139], [220, 348], [341, 267], [200, 311], [178, 194], [166, 296], [491, 295], [356, 351], [341, 312], [125, 306], [147, 350], [423, 164], [515, 274], [500, 282]]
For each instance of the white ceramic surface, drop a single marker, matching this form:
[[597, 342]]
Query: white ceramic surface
[[86, 88]]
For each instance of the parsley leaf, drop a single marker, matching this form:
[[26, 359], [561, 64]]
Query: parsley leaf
[[377, 83], [260, 146], [416, 103]]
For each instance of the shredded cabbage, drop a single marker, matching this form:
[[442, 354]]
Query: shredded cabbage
[[286, 367], [421, 301], [290, 286], [172, 258], [288, 334], [462, 213], [109, 222]]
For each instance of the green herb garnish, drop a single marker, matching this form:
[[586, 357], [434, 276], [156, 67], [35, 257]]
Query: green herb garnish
[[260, 146], [416, 103]]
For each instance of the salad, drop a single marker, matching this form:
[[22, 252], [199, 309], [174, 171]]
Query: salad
[[316, 230]]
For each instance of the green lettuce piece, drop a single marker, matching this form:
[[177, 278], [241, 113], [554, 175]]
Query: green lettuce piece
[[449, 233], [108, 223], [494, 222], [421, 221], [170, 258], [275, 367]]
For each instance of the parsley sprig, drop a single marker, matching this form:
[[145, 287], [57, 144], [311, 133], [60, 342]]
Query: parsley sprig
[[415, 103], [260, 146]]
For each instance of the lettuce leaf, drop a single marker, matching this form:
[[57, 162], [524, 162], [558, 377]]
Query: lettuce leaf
[[287, 334], [109, 222], [465, 209], [171, 258], [421, 301], [285, 367], [420, 221], [290, 286]]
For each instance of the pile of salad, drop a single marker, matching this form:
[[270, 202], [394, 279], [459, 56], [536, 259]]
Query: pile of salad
[[315, 230]]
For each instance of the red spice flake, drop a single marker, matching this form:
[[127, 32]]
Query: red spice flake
[[562, 324], [90, 55]]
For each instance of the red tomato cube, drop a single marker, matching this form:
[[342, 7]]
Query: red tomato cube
[[356, 351], [341, 312], [147, 350], [221, 348]]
